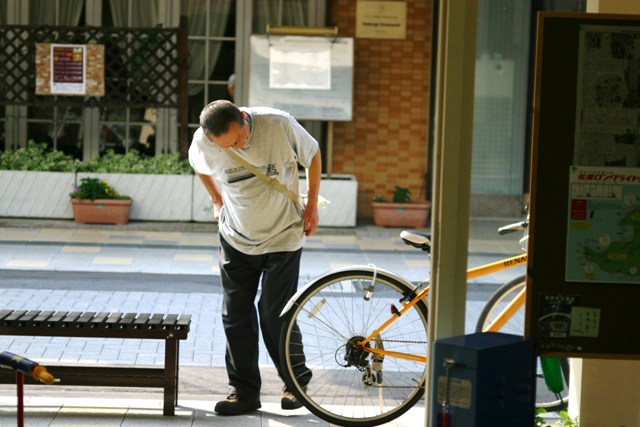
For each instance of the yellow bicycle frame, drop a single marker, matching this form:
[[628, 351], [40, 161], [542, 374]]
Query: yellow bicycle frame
[[472, 273]]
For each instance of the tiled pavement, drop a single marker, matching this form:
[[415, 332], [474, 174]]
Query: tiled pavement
[[167, 267]]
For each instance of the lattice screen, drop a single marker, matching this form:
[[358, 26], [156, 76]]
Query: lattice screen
[[141, 65]]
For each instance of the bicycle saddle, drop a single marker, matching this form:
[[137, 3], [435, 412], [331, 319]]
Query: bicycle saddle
[[417, 240]]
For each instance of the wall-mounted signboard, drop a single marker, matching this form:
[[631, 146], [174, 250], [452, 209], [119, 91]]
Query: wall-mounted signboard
[[583, 276], [69, 69], [310, 77]]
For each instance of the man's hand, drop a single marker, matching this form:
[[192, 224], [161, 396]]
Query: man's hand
[[311, 220], [214, 193], [311, 217]]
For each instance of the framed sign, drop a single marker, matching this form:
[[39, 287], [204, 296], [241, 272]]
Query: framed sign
[[584, 245], [69, 69], [310, 77]]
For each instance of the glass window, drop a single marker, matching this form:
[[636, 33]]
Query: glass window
[[124, 129], [279, 12], [211, 44], [503, 68], [59, 127], [213, 38]]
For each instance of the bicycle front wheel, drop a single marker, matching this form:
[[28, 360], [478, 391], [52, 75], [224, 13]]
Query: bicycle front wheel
[[551, 401], [351, 386]]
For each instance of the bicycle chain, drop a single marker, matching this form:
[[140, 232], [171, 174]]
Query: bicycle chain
[[391, 386], [406, 342]]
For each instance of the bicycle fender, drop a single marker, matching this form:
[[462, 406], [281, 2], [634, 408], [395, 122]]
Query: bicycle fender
[[371, 268]]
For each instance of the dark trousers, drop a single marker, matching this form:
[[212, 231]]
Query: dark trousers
[[241, 274]]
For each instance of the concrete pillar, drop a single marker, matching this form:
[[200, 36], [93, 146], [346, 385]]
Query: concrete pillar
[[606, 392], [453, 126]]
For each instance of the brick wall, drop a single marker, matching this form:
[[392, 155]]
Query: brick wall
[[386, 143]]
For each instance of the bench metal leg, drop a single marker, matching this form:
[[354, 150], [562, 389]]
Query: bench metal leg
[[171, 358]]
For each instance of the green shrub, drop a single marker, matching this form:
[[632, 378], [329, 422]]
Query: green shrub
[[565, 420], [37, 157], [134, 162], [94, 188], [401, 195]]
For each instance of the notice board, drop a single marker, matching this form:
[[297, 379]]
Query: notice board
[[583, 275], [310, 77], [70, 70]]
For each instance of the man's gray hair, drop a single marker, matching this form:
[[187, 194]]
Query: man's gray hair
[[216, 117]]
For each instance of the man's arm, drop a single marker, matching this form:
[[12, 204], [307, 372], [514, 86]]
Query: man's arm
[[213, 191], [314, 173]]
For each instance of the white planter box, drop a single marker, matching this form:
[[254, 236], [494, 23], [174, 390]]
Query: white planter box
[[155, 197], [342, 192], [35, 194], [202, 209]]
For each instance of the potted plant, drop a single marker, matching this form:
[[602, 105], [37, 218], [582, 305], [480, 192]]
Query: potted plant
[[401, 211], [95, 201]]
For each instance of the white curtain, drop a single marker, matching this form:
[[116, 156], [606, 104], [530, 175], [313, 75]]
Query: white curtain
[[138, 13], [201, 63], [41, 12], [280, 12]]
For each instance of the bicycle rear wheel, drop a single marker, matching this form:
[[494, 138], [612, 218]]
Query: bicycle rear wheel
[[351, 386], [499, 300]]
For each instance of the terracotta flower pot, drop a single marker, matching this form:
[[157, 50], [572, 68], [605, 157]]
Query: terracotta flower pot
[[412, 214], [101, 211]]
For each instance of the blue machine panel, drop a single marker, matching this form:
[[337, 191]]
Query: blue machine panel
[[488, 379]]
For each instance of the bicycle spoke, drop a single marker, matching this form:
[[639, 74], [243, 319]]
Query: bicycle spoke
[[351, 386]]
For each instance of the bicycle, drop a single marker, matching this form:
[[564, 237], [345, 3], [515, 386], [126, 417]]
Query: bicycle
[[368, 370]]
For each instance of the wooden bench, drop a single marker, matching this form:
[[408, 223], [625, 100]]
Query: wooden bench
[[168, 327]]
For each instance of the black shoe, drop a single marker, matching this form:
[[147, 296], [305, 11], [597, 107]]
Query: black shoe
[[289, 401], [237, 405]]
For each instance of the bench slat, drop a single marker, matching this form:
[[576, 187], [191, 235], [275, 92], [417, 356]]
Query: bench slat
[[127, 321], [113, 319], [68, 320], [98, 319], [91, 320], [169, 321], [183, 322], [141, 320], [42, 318], [27, 317], [12, 319], [84, 319], [155, 321], [5, 313], [55, 318]]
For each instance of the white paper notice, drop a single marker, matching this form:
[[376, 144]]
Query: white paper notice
[[294, 67]]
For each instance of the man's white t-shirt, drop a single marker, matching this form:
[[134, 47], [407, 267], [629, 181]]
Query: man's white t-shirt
[[256, 219]]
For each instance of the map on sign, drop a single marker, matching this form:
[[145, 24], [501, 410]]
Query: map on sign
[[603, 233]]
